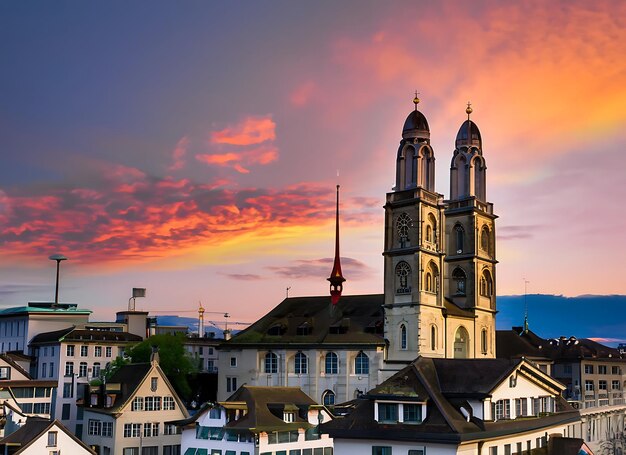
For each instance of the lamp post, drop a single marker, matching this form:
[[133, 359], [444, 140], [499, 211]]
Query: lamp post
[[58, 258]]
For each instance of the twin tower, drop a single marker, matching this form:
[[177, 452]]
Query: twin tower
[[440, 255]]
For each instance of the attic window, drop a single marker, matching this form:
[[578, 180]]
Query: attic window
[[289, 416], [304, 329], [277, 330], [154, 382]]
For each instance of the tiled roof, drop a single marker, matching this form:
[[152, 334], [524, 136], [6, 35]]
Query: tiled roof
[[8, 359], [33, 429], [305, 321], [80, 334]]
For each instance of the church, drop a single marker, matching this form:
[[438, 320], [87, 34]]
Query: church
[[439, 281]]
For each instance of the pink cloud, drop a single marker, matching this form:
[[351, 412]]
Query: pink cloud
[[303, 93], [178, 155], [237, 160], [252, 130]]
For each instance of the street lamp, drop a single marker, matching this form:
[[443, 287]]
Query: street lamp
[[58, 258]]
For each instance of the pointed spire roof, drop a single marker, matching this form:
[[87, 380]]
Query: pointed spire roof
[[336, 277]]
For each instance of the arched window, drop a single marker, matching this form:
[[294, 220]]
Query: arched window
[[431, 279], [459, 237], [330, 366], [328, 398], [403, 278], [431, 229], [433, 337], [461, 343], [429, 233], [429, 282], [486, 284], [402, 227], [483, 341], [484, 239], [459, 278], [361, 364], [301, 363], [402, 336], [271, 363]]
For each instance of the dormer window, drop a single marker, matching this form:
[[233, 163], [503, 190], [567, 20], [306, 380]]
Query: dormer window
[[399, 412], [289, 416], [387, 412], [412, 413]]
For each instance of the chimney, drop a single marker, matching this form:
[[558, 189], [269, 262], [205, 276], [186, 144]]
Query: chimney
[[154, 357]]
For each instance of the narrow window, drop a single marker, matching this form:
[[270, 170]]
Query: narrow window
[[402, 336], [433, 337], [403, 273], [459, 278], [483, 341], [331, 363], [301, 363], [271, 363], [459, 237], [361, 363]]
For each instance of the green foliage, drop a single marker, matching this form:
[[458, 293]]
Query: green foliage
[[113, 366], [173, 359]]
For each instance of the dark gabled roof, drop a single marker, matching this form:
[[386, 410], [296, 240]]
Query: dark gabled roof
[[83, 335], [33, 429], [130, 377], [518, 342], [265, 406], [444, 385], [355, 320], [8, 359]]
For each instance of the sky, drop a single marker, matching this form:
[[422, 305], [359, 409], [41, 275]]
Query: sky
[[193, 148]]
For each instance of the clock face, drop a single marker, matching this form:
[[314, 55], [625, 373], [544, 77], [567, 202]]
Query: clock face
[[402, 225]]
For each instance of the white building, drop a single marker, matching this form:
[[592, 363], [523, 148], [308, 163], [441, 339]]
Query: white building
[[454, 406], [74, 356], [258, 420], [41, 436]]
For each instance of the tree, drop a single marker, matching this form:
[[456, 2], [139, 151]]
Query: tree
[[173, 359]]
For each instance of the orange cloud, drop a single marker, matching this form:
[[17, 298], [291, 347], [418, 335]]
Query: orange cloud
[[252, 130], [262, 155]]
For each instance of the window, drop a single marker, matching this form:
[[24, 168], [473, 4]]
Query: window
[[231, 384], [507, 449], [289, 417], [502, 409], [108, 351], [361, 364], [271, 363], [433, 337], [52, 438], [65, 411], [301, 363], [168, 404], [588, 386], [69, 350], [421, 451], [387, 412], [493, 450], [588, 369], [459, 278], [97, 351], [149, 404], [602, 385], [233, 361], [615, 385], [328, 398], [154, 383], [137, 404], [331, 363], [107, 429], [130, 451], [82, 369], [602, 369], [169, 429], [171, 450], [151, 450], [403, 275], [51, 371], [96, 370], [483, 341], [459, 236], [43, 370], [5, 373], [42, 408], [402, 336], [484, 239], [69, 368], [67, 390], [521, 407], [381, 450], [150, 430], [94, 427], [412, 413], [616, 370], [84, 351], [486, 284]]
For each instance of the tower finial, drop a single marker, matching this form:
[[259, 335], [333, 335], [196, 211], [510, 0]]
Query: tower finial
[[469, 110], [416, 100], [336, 277]]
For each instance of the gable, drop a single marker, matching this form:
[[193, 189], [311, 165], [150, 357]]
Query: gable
[[526, 380]]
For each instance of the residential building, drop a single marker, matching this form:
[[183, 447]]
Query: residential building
[[18, 325], [42, 436], [127, 415], [258, 420], [457, 406], [74, 356], [204, 351], [18, 389]]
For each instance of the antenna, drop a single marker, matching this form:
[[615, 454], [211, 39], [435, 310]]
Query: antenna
[[287, 290], [525, 305]]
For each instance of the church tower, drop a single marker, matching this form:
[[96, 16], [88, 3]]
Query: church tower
[[470, 263], [414, 249]]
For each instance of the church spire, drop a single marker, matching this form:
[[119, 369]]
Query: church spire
[[336, 278]]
